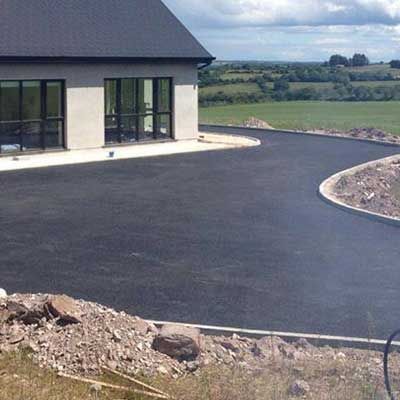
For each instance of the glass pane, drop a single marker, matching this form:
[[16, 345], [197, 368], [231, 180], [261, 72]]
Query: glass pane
[[145, 96], [164, 95], [111, 123], [31, 100], [9, 137], [54, 99], [112, 134], [110, 97], [9, 101], [146, 127], [31, 135], [164, 125], [128, 129], [128, 96], [54, 134]]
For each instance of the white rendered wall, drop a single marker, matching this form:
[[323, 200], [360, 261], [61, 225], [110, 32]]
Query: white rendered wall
[[84, 113]]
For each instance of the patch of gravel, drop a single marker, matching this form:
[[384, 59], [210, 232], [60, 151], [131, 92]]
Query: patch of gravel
[[375, 188], [100, 336]]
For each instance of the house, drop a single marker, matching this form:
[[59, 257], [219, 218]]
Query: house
[[79, 74]]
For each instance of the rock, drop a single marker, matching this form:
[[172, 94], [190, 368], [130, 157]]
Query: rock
[[64, 308], [3, 294], [162, 370], [143, 327], [230, 344], [299, 388], [4, 315], [117, 336], [192, 366], [28, 315], [179, 342], [16, 338]]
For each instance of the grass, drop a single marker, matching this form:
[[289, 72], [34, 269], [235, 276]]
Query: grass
[[310, 115], [231, 89], [237, 75], [372, 68], [331, 379]]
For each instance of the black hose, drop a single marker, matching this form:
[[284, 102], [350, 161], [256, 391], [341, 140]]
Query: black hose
[[386, 364]]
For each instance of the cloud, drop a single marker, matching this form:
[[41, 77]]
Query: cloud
[[301, 30], [234, 13]]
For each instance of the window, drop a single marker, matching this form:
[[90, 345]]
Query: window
[[137, 109], [31, 115]]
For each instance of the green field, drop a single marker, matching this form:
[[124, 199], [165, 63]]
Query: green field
[[231, 89], [371, 68], [240, 75], [310, 115]]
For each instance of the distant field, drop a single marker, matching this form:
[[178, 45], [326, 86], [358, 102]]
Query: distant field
[[310, 115], [237, 75], [231, 89], [376, 83], [253, 87], [371, 68]]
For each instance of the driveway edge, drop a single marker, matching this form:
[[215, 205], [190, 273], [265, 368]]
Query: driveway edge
[[303, 133], [229, 139], [326, 193]]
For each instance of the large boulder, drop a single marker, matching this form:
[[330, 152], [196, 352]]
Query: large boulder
[[65, 308], [179, 342]]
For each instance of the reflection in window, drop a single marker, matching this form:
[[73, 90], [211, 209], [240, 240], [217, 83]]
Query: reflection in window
[[31, 115], [137, 109], [31, 97]]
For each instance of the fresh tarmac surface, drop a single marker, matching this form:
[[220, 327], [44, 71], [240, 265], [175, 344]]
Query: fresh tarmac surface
[[234, 237]]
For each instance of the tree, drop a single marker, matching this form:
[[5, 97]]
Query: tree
[[395, 64], [359, 60], [281, 85], [337, 59]]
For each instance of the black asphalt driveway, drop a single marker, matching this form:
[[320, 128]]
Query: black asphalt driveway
[[235, 237]]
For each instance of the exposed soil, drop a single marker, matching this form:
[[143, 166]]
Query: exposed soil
[[375, 188]]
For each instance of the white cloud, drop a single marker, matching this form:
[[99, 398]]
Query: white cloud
[[289, 12], [300, 30]]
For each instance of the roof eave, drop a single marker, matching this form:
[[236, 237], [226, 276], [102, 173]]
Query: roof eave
[[95, 60]]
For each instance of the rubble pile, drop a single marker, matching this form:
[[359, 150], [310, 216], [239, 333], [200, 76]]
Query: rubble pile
[[375, 188], [362, 133], [79, 337]]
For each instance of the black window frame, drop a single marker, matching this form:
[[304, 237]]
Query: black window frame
[[43, 120], [118, 131]]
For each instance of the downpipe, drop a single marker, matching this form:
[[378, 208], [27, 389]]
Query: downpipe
[[386, 372]]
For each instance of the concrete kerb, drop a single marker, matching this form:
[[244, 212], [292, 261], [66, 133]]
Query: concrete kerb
[[326, 192], [304, 133], [231, 139], [208, 142], [327, 339]]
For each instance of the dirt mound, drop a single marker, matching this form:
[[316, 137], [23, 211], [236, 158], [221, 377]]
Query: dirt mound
[[98, 336], [374, 188], [253, 122]]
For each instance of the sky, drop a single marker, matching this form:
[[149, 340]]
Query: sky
[[293, 30]]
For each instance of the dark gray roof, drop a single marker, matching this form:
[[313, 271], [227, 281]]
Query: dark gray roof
[[94, 29]]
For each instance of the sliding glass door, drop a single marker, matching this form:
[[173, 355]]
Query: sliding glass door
[[137, 109], [31, 115]]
